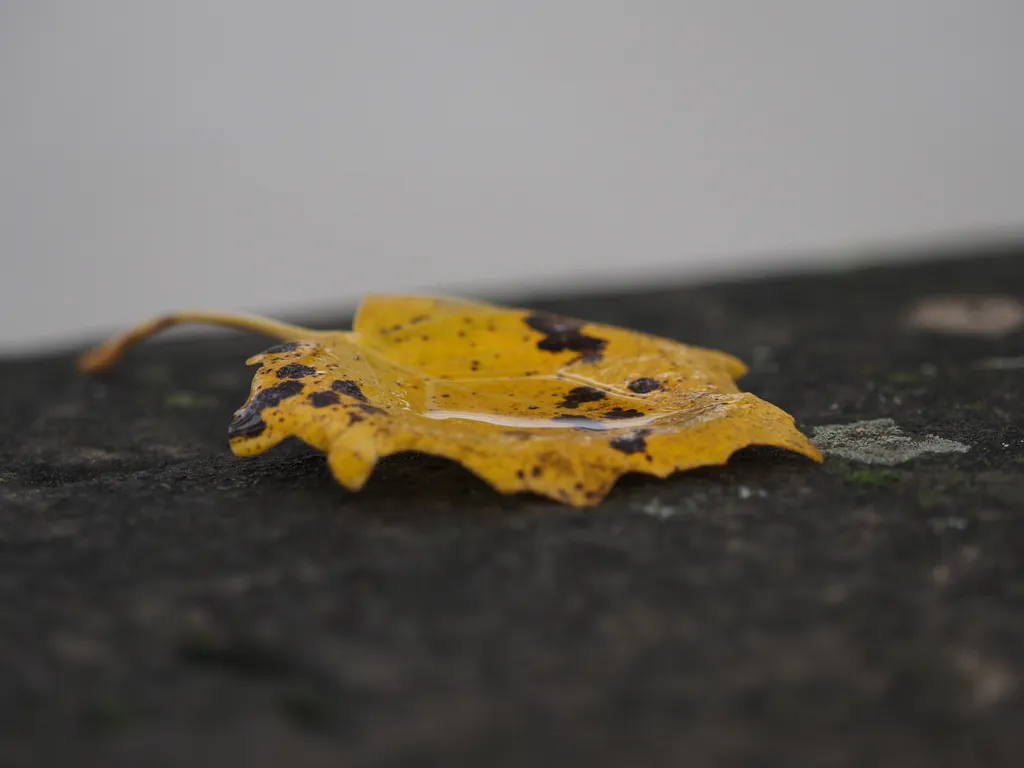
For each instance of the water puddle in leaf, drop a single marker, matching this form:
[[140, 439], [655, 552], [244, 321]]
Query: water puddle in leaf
[[558, 422]]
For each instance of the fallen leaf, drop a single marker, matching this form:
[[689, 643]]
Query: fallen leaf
[[528, 401]]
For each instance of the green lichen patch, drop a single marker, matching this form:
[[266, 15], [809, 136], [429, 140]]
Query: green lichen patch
[[904, 377], [872, 478], [190, 400], [305, 707], [111, 714]]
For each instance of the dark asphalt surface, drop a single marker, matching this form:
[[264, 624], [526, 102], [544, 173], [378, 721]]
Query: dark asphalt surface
[[166, 604]]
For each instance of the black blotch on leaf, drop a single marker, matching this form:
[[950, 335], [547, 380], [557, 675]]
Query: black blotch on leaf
[[350, 388], [294, 371], [565, 333], [622, 413], [371, 409], [644, 385], [249, 422], [633, 443], [288, 346], [578, 395], [323, 399]]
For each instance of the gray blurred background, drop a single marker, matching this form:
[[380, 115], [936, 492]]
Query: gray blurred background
[[271, 156]]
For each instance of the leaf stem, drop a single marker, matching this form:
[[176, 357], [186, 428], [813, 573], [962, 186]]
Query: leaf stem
[[108, 353]]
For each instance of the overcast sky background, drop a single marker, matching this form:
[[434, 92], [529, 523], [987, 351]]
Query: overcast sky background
[[270, 156]]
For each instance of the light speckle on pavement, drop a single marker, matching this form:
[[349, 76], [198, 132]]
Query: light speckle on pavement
[[879, 441]]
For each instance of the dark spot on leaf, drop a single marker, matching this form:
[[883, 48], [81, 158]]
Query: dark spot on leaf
[[565, 333], [419, 319], [520, 474], [295, 371], [323, 399], [474, 365], [350, 388], [247, 425], [622, 413], [644, 385], [355, 417], [288, 346], [249, 422], [371, 409], [536, 471], [633, 443], [578, 395]]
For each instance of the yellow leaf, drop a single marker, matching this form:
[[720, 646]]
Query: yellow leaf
[[528, 401]]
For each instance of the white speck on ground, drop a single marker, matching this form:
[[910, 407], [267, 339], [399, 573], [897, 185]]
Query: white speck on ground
[[655, 508], [879, 441], [968, 315], [745, 493], [940, 524], [1001, 363], [990, 681], [763, 360]]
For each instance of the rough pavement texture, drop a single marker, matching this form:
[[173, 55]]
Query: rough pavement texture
[[166, 604]]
